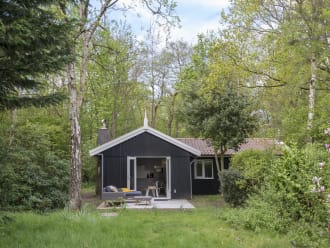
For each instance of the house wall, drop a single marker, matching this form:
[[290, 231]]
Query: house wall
[[145, 144], [207, 186]]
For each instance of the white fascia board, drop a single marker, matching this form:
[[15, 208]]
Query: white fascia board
[[112, 143], [116, 141]]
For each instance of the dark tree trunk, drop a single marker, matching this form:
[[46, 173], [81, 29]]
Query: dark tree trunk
[[98, 177], [220, 166]]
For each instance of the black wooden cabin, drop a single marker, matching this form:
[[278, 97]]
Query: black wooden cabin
[[146, 157]]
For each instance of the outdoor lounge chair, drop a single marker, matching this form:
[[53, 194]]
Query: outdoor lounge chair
[[113, 193]]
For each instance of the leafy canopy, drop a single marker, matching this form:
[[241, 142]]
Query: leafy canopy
[[34, 41], [224, 118]]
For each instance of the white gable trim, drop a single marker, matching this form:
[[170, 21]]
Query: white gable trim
[[147, 129]]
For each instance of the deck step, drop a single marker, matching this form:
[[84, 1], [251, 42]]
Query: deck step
[[161, 199]]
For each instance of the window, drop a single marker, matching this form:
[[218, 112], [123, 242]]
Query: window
[[204, 169]]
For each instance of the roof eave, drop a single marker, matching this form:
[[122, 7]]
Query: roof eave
[[112, 143], [116, 141]]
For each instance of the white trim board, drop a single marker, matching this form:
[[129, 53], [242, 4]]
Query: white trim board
[[136, 132]]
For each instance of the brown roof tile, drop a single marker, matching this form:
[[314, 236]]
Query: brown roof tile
[[251, 143]]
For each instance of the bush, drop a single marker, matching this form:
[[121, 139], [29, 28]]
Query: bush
[[232, 191], [32, 175], [254, 166], [286, 201], [258, 216], [291, 181]]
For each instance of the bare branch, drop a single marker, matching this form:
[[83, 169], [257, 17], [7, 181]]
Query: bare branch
[[106, 5], [263, 86], [261, 73]]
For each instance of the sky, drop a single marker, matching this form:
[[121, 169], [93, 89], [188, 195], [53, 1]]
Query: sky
[[197, 16]]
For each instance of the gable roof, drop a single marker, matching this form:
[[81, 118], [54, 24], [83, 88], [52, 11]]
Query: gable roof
[[144, 129], [251, 143]]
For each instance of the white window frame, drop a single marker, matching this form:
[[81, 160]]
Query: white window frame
[[203, 168]]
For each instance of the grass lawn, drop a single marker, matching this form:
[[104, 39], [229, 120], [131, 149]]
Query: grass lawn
[[200, 227]]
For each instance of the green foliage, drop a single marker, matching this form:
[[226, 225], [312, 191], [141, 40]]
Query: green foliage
[[254, 166], [286, 202], [259, 216], [232, 191], [32, 175], [224, 118], [280, 75], [34, 41], [290, 190], [290, 183]]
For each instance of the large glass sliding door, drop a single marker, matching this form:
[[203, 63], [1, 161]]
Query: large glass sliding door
[[143, 172]]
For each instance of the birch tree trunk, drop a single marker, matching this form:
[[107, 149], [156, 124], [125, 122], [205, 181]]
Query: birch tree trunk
[[76, 93], [75, 172], [311, 99]]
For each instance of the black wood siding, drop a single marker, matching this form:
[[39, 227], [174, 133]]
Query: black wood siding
[[207, 186], [145, 144]]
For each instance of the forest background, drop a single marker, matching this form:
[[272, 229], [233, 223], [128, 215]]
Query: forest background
[[275, 52]]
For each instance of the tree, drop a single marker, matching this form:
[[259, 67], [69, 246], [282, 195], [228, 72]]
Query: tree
[[111, 92], [77, 81], [283, 44], [34, 41], [222, 117], [179, 53], [34, 173]]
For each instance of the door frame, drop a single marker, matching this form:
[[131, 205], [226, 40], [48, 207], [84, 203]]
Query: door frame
[[168, 172], [129, 159], [168, 178]]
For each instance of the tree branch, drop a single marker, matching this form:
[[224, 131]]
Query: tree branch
[[106, 5], [246, 68]]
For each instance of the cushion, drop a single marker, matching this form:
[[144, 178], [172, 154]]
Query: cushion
[[126, 190], [133, 193], [113, 188], [110, 188]]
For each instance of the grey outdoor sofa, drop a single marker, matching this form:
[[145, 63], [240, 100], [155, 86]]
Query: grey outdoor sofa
[[109, 193]]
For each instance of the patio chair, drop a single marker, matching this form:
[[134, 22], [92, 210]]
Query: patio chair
[[154, 190]]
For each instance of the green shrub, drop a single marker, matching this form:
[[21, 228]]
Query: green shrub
[[32, 175], [286, 202], [254, 166], [233, 192], [291, 179], [258, 216]]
